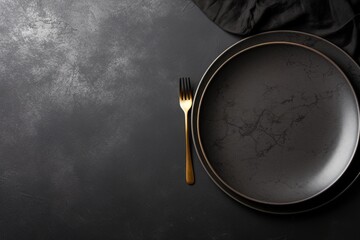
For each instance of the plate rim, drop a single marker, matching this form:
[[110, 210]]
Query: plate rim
[[196, 135]]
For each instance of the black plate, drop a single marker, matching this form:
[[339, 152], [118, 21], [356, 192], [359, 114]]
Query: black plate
[[276, 123]]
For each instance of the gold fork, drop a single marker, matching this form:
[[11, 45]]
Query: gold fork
[[185, 99]]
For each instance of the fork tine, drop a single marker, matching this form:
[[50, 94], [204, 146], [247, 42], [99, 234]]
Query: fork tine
[[185, 88], [181, 92], [189, 88]]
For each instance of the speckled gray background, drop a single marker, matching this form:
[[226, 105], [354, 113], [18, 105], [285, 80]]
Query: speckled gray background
[[91, 134]]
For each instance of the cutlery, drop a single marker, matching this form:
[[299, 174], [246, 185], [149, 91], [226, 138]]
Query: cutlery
[[185, 99]]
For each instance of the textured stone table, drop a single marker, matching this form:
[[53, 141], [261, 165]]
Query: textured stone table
[[91, 134]]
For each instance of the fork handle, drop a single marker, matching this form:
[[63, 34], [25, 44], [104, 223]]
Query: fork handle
[[189, 170]]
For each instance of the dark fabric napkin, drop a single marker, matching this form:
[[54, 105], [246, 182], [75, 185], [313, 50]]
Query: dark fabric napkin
[[335, 20]]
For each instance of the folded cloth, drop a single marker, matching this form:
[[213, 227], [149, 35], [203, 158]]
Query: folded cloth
[[335, 20]]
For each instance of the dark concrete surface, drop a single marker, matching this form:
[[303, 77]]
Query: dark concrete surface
[[91, 133]]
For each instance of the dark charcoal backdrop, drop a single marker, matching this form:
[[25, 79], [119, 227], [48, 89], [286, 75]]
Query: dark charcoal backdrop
[[91, 134]]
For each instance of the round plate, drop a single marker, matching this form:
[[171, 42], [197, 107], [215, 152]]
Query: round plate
[[276, 123]]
